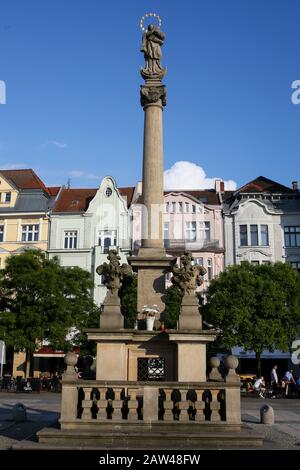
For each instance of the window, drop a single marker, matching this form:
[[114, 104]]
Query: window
[[107, 239], [1, 233], [296, 265], [30, 233], [173, 206], [254, 235], [205, 230], [166, 234], [7, 197], [190, 231], [243, 235], [151, 368], [180, 207], [198, 261], [187, 207], [167, 207], [292, 236], [108, 191], [209, 269], [194, 209], [264, 235], [255, 262], [71, 239]]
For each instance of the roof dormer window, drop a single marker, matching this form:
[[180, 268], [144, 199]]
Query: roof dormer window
[[8, 197]]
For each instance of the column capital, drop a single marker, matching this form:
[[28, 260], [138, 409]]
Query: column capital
[[153, 95]]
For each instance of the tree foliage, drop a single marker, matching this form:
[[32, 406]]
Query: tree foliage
[[41, 301], [128, 297], [256, 307], [172, 300]]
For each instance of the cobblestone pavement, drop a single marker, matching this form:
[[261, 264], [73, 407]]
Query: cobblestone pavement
[[43, 411]]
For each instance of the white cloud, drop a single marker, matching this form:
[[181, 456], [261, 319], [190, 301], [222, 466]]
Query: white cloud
[[13, 166], [188, 175], [82, 174], [55, 143]]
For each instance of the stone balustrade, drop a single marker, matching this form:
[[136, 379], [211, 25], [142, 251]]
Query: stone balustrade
[[163, 402]]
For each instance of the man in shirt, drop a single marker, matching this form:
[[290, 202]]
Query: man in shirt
[[260, 386], [274, 381]]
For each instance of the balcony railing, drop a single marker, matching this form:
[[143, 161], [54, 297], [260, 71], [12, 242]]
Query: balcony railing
[[186, 245]]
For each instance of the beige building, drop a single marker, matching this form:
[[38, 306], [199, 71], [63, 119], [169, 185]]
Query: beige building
[[25, 203]]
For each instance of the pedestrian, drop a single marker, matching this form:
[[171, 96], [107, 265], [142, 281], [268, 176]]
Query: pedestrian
[[274, 381], [260, 387]]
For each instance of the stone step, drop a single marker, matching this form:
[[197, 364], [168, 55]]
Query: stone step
[[51, 438]]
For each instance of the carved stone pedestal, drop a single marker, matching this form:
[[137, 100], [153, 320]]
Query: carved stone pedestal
[[111, 316], [190, 318]]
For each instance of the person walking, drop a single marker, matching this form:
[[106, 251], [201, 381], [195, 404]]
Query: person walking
[[274, 381]]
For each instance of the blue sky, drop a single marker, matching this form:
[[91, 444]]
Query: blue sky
[[71, 70]]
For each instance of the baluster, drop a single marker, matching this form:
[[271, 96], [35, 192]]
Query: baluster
[[87, 404], [215, 406], [132, 405], [199, 406], [117, 404], [168, 405], [184, 405], [102, 404]]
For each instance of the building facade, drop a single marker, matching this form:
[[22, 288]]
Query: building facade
[[262, 225], [192, 221], [25, 204], [86, 223]]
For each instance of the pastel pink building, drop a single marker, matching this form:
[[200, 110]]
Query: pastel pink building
[[192, 220]]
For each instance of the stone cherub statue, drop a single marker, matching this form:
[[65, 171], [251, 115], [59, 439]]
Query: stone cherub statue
[[188, 276], [113, 273], [152, 41]]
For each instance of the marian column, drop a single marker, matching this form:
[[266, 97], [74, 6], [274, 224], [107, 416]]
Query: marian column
[[152, 262]]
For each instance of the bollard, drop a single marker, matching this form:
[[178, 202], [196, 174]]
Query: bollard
[[267, 415], [19, 412]]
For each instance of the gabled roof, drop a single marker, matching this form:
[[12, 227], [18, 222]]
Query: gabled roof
[[77, 200], [264, 185], [74, 200], [53, 190], [24, 179]]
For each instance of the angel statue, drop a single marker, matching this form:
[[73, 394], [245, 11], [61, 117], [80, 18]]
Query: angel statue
[[189, 276], [113, 273]]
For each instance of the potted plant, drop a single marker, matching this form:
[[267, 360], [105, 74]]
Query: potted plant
[[149, 312]]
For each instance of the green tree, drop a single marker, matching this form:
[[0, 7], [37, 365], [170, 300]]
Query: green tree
[[256, 307], [172, 300], [128, 297], [41, 301]]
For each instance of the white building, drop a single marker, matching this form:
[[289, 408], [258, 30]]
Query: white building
[[86, 223], [262, 223]]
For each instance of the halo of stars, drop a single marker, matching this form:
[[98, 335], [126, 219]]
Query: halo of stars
[[148, 15]]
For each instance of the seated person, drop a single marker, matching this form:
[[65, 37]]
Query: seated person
[[260, 386]]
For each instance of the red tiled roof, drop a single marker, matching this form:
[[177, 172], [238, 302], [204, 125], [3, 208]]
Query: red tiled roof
[[127, 194], [264, 185], [24, 179], [74, 200], [77, 200], [53, 190], [208, 196]]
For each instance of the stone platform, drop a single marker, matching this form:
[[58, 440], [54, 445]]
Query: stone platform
[[149, 437]]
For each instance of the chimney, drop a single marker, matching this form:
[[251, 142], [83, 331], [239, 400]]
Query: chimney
[[219, 186], [295, 185]]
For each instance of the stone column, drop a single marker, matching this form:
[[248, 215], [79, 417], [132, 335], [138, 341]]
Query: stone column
[[152, 263], [153, 98]]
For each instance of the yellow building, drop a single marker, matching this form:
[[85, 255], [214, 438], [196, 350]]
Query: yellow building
[[25, 203]]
